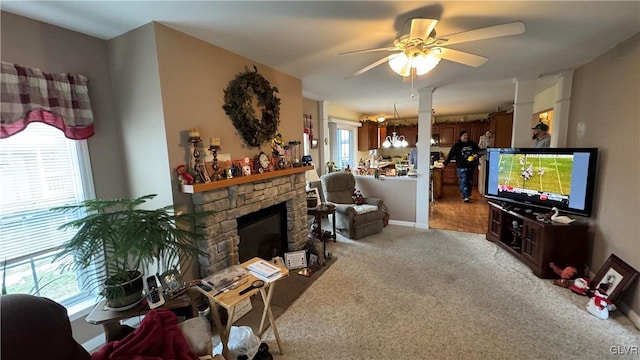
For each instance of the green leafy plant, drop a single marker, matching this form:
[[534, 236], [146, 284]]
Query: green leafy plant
[[120, 240]]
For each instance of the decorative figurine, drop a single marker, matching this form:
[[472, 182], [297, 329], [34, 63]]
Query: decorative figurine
[[183, 175], [246, 168], [599, 305]]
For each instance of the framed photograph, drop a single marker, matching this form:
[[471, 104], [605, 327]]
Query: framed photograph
[[314, 143], [224, 163], [224, 160], [295, 259], [614, 277]]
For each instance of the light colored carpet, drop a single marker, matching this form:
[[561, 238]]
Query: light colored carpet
[[433, 294]]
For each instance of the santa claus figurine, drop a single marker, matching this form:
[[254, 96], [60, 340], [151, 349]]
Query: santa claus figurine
[[184, 176]]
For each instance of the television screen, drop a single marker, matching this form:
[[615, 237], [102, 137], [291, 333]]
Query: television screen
[[543, 178]]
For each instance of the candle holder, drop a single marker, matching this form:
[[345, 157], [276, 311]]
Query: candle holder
[[199, 169], [217, 174]]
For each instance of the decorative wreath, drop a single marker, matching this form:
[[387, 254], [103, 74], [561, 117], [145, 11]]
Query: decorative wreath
[[238, 106]]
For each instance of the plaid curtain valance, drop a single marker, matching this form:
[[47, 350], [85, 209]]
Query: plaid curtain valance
[[60, 100]]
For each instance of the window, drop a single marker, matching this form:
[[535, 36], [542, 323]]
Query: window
[[40, 169], [306, 143], [344, 156], [344, 142]]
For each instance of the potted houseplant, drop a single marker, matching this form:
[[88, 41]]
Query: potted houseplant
[[119, 240], [330, 166]]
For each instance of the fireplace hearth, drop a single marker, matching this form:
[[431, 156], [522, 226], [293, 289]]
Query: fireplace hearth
[[223, 241]]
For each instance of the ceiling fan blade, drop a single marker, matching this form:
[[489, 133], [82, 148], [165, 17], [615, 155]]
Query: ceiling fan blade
[[421, 28], [513, 28], [393, 48], [463, 57], [371, 66]]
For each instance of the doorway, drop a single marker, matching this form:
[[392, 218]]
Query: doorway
[[451, 213]]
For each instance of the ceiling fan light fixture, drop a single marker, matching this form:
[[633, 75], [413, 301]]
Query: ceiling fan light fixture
[[426, 62], [419, 60], [401, 64]]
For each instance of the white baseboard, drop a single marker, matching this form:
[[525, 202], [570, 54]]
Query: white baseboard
[[402, 223]]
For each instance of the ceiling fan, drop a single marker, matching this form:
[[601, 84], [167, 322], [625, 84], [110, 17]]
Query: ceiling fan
[[419, 50]]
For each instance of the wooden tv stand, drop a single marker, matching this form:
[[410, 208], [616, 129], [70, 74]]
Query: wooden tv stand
[[536, 243]]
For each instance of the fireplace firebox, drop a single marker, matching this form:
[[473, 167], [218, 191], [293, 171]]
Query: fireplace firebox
[[263, 233]]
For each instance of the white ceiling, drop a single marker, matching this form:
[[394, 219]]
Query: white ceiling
[[303, 38]]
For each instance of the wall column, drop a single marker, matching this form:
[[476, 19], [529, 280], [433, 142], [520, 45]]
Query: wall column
[[425, 106], [522, 112], [560, 124]]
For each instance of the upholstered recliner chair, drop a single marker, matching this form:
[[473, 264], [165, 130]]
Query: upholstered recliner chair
[[36, 328], [353, 221]]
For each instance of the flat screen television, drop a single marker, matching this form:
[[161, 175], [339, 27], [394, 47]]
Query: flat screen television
[[542, 178]]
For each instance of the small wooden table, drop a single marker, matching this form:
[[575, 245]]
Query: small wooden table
[[110, 319], [231, 298], [318, 212]]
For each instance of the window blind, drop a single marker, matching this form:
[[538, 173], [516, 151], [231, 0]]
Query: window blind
[[40, 169]]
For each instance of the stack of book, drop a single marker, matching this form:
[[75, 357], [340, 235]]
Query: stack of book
[[265, 271]]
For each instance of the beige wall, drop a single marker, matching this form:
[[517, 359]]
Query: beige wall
[[193, 76], [34, 44], [605, 113], [313, 108], [136, 84], [336, 111], [546, 99]]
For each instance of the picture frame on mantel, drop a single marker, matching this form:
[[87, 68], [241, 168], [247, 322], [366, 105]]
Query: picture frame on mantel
[[616, 276]]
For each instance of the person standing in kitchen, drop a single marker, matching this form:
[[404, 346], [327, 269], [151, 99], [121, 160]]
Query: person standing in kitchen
[[413, 156], [541, 139], [465, 152]]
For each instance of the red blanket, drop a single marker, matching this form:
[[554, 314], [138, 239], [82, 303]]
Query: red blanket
[[157, 338]]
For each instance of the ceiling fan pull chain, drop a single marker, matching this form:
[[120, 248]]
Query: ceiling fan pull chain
[[413, 75]]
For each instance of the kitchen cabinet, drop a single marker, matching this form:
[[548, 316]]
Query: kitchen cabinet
[[368, 136], [500, 124], [436, 177], [474, 128], [410, 133], [435, 134], [449, 176], [448, 134]]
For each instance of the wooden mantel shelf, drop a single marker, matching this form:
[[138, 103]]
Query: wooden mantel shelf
[[197, 188]]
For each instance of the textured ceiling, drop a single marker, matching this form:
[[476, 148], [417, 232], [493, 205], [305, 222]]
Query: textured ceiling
[[303, 39]]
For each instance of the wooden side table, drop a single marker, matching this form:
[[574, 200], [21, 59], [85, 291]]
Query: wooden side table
[[318, 212], [231, 298], [110, 319]]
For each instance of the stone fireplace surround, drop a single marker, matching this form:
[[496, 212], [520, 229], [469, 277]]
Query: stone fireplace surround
[[231, 202]]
